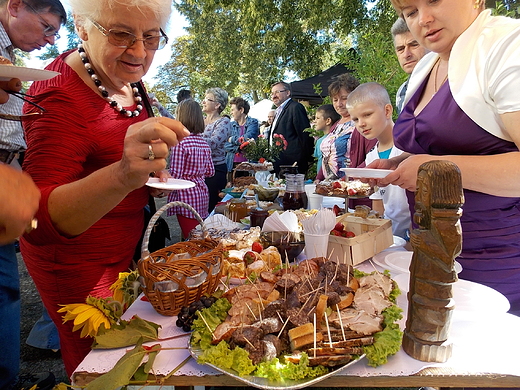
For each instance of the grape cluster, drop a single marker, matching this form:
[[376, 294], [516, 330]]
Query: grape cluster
[[188, 313]]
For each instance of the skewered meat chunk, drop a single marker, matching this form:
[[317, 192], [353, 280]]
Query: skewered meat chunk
[[276, 308], [277, 343], [269, 325], [245, 335]]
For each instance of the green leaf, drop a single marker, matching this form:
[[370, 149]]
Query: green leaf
[[141, 375], [126, 333], [122, 372]]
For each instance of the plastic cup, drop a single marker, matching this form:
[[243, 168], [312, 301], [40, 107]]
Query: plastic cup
[[316, 245], [315, 201]]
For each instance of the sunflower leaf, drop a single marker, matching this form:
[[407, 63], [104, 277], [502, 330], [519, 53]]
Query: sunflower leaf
[[122, 372], [126, 333]]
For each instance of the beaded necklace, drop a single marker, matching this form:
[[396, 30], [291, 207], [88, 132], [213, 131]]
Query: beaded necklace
[[104, 93]]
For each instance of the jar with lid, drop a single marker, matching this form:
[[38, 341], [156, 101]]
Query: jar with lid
[[258, 216], [295, 197], [237, 209]]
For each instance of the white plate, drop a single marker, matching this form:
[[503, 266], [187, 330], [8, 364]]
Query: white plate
[[171, 184], [7, 72], [366, 172], [400, 261], [468, 296], [398, 241]]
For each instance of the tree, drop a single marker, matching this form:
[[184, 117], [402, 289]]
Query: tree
[[243, 46]]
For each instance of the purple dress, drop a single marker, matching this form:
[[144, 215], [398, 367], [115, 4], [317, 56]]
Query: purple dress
[[490, 224]]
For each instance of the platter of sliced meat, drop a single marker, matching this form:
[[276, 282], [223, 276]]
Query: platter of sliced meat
[[317, 314]]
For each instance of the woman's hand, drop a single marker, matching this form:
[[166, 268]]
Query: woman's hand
[[405, 176], [163, 177], [19, 201], [146, 149]]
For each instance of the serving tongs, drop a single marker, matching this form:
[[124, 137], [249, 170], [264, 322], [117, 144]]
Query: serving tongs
[[30, 115]]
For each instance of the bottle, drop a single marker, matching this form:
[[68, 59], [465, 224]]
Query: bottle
[[295, 197], [258, 217]]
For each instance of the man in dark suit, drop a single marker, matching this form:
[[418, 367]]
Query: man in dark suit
[[290, 120]]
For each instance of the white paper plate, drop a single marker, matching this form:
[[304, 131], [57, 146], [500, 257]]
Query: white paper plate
[[171, 184], [7, 72], [398, 241], [400, 261], [366, 172], [468, 296]]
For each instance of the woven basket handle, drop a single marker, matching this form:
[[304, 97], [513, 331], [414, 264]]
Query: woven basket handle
[[146, 239]]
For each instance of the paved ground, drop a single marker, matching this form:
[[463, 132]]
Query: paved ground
[[34, 360]]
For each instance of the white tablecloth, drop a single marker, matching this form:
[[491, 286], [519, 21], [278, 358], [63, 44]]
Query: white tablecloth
[[485, 341]]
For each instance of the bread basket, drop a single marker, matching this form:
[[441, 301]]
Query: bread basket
[[180, 274]]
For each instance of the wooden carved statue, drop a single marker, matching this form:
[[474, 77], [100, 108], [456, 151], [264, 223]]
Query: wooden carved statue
[[436, 243]]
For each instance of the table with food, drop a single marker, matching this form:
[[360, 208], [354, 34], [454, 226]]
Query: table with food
[[242, 305]]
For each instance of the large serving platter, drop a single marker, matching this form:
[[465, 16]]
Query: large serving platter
[[266, 383]]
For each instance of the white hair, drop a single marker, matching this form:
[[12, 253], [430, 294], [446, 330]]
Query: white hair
[[94, 9]]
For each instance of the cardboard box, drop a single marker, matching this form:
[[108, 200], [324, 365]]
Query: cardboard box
[[372, 236]]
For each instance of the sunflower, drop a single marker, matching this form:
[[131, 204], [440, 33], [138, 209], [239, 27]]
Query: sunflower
[[91, 315], [126, 288]]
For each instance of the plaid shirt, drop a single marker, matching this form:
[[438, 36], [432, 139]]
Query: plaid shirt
[[11, 132], [191, 160]]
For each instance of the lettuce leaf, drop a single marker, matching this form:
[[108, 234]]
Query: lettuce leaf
[[388, 341], [221, 356]]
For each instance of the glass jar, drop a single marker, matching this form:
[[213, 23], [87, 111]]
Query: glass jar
[[258, 217], [295, 197], [237, 209]]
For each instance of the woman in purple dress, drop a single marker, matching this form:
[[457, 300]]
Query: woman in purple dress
[[463, 105]]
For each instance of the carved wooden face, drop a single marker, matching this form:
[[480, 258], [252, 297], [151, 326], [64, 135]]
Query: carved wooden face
[[422, 215]]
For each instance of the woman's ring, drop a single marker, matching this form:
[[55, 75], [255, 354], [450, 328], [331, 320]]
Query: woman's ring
[[151, 154]]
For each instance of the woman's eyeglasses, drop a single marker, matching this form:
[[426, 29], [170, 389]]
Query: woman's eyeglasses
[[49, 30], [125, 39]]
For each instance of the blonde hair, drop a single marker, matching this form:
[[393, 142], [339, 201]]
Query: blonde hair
[[84, 10], [368, 92]]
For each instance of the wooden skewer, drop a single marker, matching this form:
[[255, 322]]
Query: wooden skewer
[[205, 322], [251, 311], [304, 304], [283, 327], [328, 328], [313, 291], [249, 342], [315, 334], [341, 323]]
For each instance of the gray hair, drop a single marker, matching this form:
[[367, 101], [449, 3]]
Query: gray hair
[[373, 92], [221, 97], [399, 27], [95, 9]]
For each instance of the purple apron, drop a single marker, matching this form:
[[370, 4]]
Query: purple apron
[[490, 224]]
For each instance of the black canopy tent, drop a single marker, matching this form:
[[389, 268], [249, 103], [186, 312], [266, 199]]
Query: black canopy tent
[[304, 89]]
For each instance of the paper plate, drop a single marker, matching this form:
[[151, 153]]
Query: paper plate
[[7, 72], [171, 184], [366, 172], [400, 261]]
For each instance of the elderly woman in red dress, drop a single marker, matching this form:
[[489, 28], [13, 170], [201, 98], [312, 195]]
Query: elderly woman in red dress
[[91, 155]]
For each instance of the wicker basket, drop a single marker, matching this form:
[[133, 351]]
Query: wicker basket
[[243, 181], [180, 274]]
